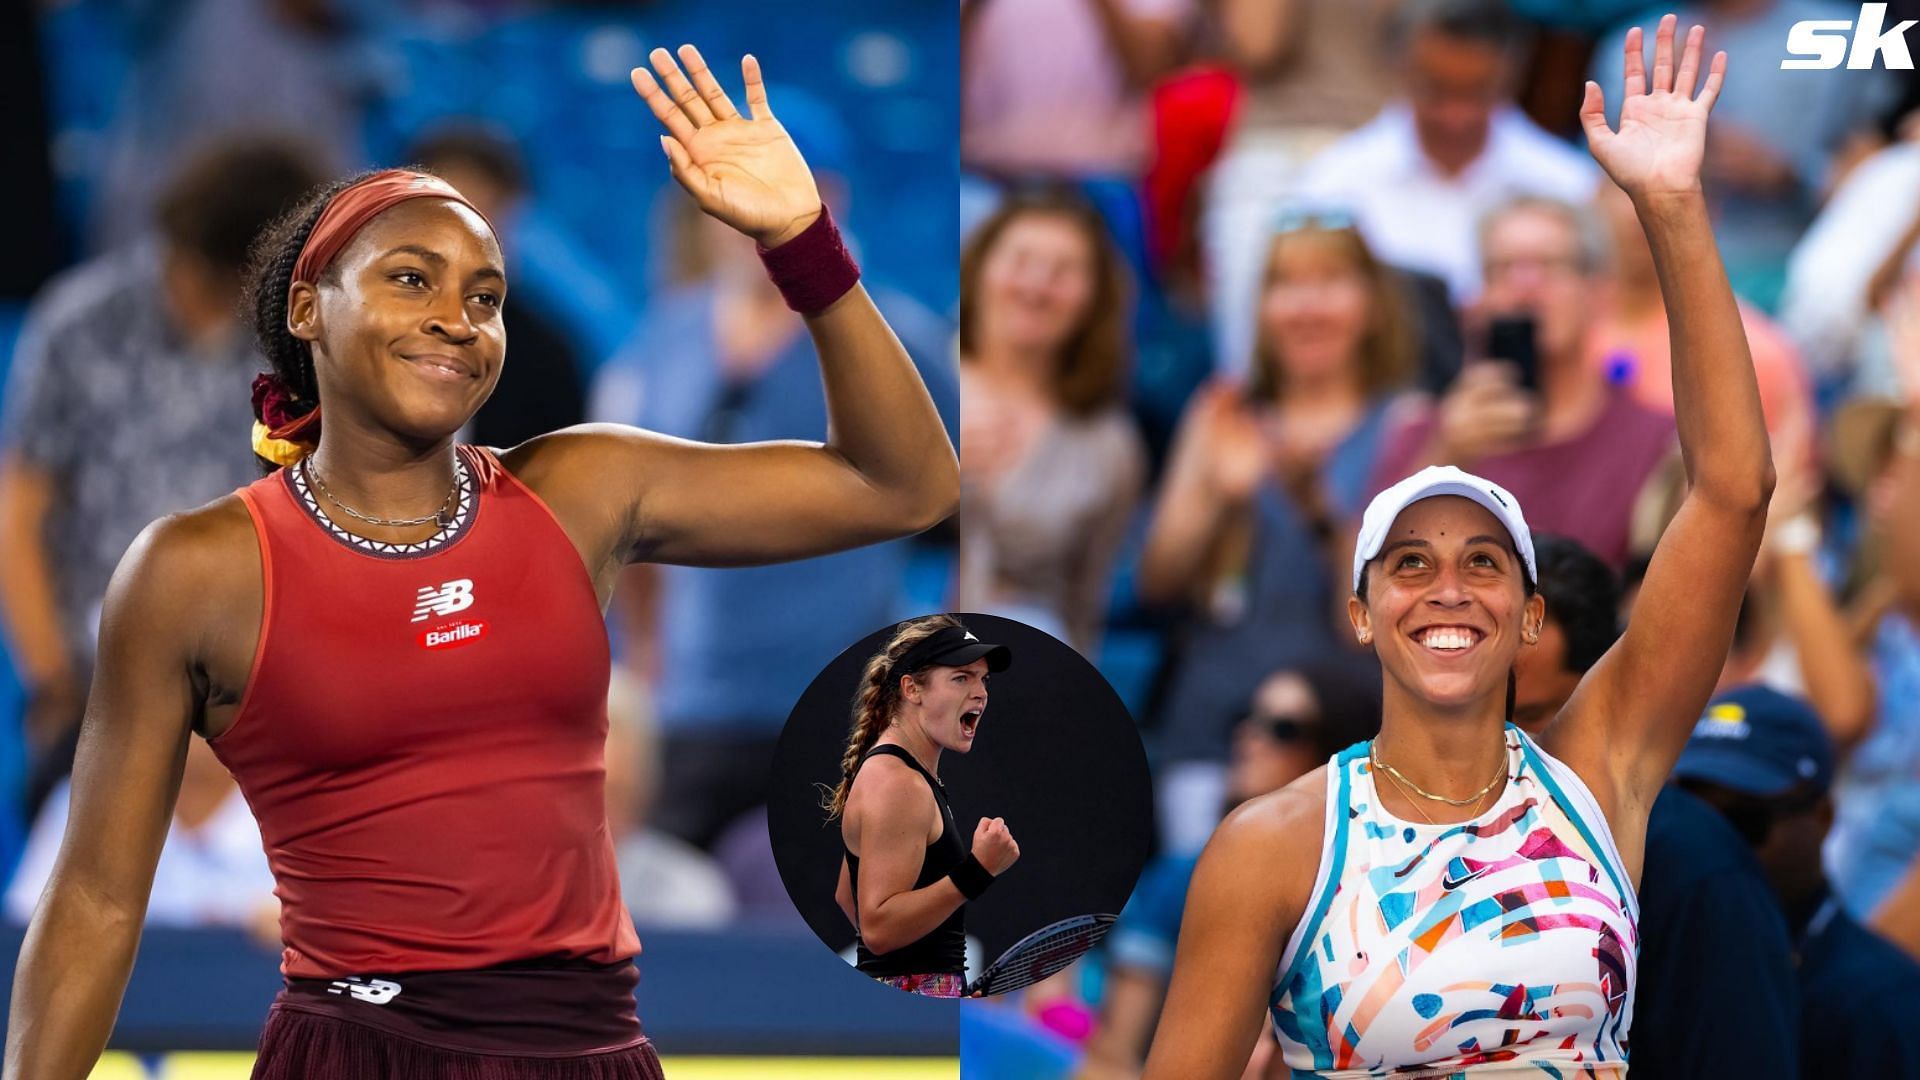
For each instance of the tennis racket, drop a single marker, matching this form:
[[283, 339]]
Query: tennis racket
[[1041, 953]]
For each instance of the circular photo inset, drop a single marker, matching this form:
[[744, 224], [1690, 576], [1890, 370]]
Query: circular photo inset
[[960, 805]]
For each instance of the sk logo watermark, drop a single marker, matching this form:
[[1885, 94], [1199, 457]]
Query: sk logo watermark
[[1821, 44]]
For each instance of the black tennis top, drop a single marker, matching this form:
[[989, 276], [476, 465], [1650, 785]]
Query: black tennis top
[[944, 948]]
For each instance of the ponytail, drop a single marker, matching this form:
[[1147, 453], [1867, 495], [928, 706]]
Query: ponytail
[[288, 392], [875, 702]]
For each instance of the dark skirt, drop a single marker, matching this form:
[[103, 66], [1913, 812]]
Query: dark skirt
[[302, 1045]]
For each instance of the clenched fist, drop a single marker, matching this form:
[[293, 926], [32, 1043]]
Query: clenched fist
[[993, 845]]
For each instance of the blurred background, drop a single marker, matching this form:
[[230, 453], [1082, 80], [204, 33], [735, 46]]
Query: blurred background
[[1230, 267], [148, 140]]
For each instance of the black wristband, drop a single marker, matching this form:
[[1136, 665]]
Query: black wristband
[[971, 878]]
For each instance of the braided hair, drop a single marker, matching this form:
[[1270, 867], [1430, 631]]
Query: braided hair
[[875, 701], [269, 276]]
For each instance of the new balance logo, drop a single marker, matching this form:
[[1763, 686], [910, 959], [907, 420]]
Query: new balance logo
[[1821, 44], [372, 991], [445, 599]]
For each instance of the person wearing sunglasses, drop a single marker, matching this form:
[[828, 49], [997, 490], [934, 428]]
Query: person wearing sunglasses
[[1763, 760]]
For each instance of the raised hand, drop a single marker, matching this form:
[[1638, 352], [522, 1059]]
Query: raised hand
[[1661, 144], [993, 845], [744, 170]]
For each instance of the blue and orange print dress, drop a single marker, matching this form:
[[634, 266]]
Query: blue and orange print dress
[[1504, 945]]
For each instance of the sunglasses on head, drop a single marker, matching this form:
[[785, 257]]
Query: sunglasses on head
[[1322, 218]]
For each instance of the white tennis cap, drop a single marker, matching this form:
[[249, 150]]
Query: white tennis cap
[[1425, 484]]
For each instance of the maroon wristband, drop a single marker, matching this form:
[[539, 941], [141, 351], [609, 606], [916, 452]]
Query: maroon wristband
[[812, 270]]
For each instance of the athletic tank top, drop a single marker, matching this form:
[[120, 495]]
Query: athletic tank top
[[1501, 945], [422, 737], [943, 950]]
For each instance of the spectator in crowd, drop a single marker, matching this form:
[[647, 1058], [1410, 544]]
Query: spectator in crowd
[[1873, 449], [1581, 625], [1052, 87], [1310, 72], [1776, 133], [1452, 146], [723, 359], [1299, 718], [1575, 450], [1630, 343], [212, 870], [1051, 465], [1763, 760], [1259, 490], [543, 389], [1796, 638], [126, 401], [665, 881], [1841, 273], [205, 71]]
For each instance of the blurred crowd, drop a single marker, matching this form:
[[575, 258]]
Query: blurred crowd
[[148, 143], [1230, 267]]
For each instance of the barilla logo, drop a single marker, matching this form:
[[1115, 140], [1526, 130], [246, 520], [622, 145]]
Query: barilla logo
[[1724, 721], [453, 635], [1821, 44]]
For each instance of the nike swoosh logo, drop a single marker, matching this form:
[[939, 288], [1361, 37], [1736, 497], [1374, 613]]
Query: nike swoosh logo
[[1449, 882]]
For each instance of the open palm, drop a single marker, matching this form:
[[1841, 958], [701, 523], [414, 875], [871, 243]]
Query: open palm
[[744, 170], [1662, 140]]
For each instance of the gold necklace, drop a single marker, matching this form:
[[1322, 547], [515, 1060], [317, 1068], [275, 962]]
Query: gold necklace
[[1373, 755], [1417, 808]]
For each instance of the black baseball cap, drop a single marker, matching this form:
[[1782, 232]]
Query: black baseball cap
[[952, 646], [1760, 742]]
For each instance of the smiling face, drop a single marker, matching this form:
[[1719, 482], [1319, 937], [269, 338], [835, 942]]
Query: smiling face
[[947, 703], [410, 338], [1446, 607], [1036, 283], [1315, 308]]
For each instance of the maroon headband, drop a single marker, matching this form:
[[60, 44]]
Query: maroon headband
[[349, 211]]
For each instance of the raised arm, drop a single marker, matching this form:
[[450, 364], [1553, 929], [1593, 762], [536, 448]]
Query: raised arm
[[887, 468], [1631, 716], [80, 946]]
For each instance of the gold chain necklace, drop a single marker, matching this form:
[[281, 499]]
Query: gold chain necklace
[[1373, 755]]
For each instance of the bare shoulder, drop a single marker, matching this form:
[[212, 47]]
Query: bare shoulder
[[189, 581], [1260, 865], [889, 786], [1281, 826], [194, 557]]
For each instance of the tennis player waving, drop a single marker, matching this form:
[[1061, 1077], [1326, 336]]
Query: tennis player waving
[[1453, 897], [397, 645]]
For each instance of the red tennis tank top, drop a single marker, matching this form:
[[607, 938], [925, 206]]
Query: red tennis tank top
[[422, 738]]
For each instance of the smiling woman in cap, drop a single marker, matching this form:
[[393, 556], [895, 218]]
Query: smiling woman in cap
[[397, 644], [1453, 897], [908, 876]]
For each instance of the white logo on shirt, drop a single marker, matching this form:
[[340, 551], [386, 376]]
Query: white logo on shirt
[[970, 636], [374, 991], [452, 596]]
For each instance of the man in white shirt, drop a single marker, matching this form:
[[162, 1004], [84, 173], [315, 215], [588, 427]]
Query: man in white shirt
[[1419, 176]]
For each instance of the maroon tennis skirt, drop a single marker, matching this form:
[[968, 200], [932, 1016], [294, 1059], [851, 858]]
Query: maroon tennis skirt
[[566, 1020]]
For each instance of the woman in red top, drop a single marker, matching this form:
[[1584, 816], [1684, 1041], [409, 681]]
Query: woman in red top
[[395, 643]]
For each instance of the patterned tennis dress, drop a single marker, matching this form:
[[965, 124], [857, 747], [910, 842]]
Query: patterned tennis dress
[[1503, 945]]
